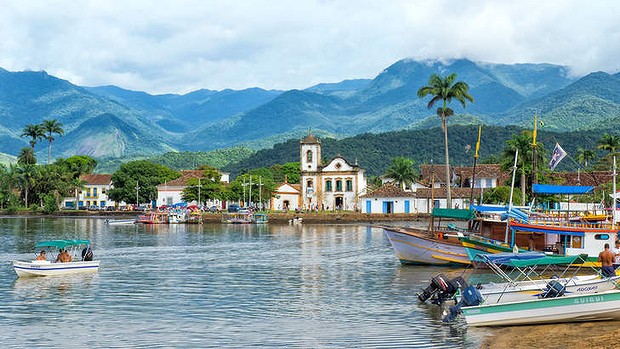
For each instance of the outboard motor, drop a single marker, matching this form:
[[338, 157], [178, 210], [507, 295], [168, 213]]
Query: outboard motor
[[87, 254], [553, 289], [441, 289], [469, 298]]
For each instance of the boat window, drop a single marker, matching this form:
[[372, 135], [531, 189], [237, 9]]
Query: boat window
[[601, 236]]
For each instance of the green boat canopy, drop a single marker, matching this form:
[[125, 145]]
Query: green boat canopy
[[463, 214], [61, 243], [530, 259]]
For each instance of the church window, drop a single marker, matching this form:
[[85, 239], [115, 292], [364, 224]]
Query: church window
[[328, 185], [309, 156], [349, 185], [338, 185], [338, 166]]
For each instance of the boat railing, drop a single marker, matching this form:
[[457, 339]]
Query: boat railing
[[568, 224]]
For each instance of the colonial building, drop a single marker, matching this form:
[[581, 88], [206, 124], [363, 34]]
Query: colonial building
[[338, 184], [389, 198], [94, 193], [170, 193], [286, 197]]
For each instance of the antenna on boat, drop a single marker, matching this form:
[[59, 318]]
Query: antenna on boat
[[613, 212]]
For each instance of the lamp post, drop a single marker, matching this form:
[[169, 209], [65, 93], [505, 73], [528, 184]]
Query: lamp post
[[250, 198], [137, 199], [243, 185], [260, 191]]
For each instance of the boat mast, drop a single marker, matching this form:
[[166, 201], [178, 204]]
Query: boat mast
[[431, 221], [512, 188], [613, 217], [534, 147], [473, 174]]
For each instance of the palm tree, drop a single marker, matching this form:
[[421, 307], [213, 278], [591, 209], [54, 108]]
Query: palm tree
[[35, 132], [25, 175], [445, 89], [609, 142], [523, 142], [26, 156], [401, 171], [585, 155], [49, 128]]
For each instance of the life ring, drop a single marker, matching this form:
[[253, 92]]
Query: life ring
[[440, 235]]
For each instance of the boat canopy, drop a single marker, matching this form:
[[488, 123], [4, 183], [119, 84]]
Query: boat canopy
[[529, 259], [543, 229], [61, 243], [552, 189], [455, 213]]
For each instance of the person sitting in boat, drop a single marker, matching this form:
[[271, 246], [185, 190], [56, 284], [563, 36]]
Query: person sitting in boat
[[63, 257], [41, 256], [607, 260]]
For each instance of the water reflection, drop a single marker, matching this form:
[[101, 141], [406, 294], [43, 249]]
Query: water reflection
[[211, 285]]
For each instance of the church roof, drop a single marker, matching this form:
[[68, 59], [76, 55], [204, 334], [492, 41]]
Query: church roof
[[310, 139]]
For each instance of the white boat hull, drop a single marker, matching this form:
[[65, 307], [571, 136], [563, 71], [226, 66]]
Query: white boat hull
[[526, 290], [573, 308], [45, 268], [414, 248]]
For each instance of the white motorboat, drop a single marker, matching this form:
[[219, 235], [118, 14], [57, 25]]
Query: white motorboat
[[47, 264], [120, 221]]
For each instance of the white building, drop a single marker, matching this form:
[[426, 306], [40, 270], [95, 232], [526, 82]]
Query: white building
[[94, 193], [170, 193], [389, 199], [286, 197], [335, 185]]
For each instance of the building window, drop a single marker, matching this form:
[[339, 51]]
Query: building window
[[309, 183], [95, 192], [349, 185], [328, 185], [338, 185], [309, 156]]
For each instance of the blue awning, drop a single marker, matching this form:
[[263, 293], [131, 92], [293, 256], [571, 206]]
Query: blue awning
[[552, 189]]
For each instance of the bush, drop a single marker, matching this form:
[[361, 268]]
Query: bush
[[50, 204]]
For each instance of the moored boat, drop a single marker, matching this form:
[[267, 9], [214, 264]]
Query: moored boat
[[50, 264]]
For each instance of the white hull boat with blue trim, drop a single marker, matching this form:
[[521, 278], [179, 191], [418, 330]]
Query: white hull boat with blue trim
[[59, 257]]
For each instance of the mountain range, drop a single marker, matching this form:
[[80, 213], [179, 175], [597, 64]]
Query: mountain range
[[112, 122]]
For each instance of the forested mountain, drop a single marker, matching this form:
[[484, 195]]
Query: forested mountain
[[374, 152], [110, 122]]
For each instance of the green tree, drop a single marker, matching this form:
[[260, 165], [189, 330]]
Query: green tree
[[288, 172], [26, 156], [51, 127], [445, 89], [76, 186], [585, 155], [35, 132], [522, 142], [78, 165], [609, 142], [145, 175], [26, 175], [401, 171], [208, 186]]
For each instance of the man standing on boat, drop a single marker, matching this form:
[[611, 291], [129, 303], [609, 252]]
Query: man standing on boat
[[616, 252], [607, 262]]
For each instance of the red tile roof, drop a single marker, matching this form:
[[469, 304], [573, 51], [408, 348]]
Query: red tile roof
[[97, 179]]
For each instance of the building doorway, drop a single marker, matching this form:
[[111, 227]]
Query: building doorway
[[339, 203]]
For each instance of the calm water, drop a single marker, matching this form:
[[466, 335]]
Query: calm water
[[272, 286]]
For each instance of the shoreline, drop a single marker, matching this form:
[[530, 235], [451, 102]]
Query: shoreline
[[321, 217]]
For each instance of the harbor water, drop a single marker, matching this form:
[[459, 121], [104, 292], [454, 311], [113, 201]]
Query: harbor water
[[220, 286]]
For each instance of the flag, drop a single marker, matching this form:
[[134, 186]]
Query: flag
[[558, 155]]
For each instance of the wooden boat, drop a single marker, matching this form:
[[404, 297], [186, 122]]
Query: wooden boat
[[80, 263], [237, 218], [153, 218], [260, 218], [602, 306]]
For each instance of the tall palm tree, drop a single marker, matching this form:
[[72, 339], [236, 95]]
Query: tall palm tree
[[609, 142], [26, 156], [401, 171], [585, 155], [445, 89], [35, 132], [51, 127]]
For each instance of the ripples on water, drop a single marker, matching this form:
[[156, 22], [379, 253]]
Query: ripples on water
[[310, 286]]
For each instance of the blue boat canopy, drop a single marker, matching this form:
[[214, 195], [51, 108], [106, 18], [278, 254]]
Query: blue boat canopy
[[61, 243], [552, 189]]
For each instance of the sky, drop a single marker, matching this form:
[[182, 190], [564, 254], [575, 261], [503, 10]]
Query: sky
[[183, 45]]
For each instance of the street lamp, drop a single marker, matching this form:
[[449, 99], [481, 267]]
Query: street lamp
[[137, 188]]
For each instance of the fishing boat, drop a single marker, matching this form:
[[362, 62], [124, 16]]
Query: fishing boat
[[602, 306], [153, 218], [237, 218], [438, 245], [46, 263], [176, 217], [119, 221], [260, 218]]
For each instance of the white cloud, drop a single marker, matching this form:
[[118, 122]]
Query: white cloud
[[178, 46]]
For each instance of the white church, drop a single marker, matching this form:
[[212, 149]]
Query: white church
[[336, 185]]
